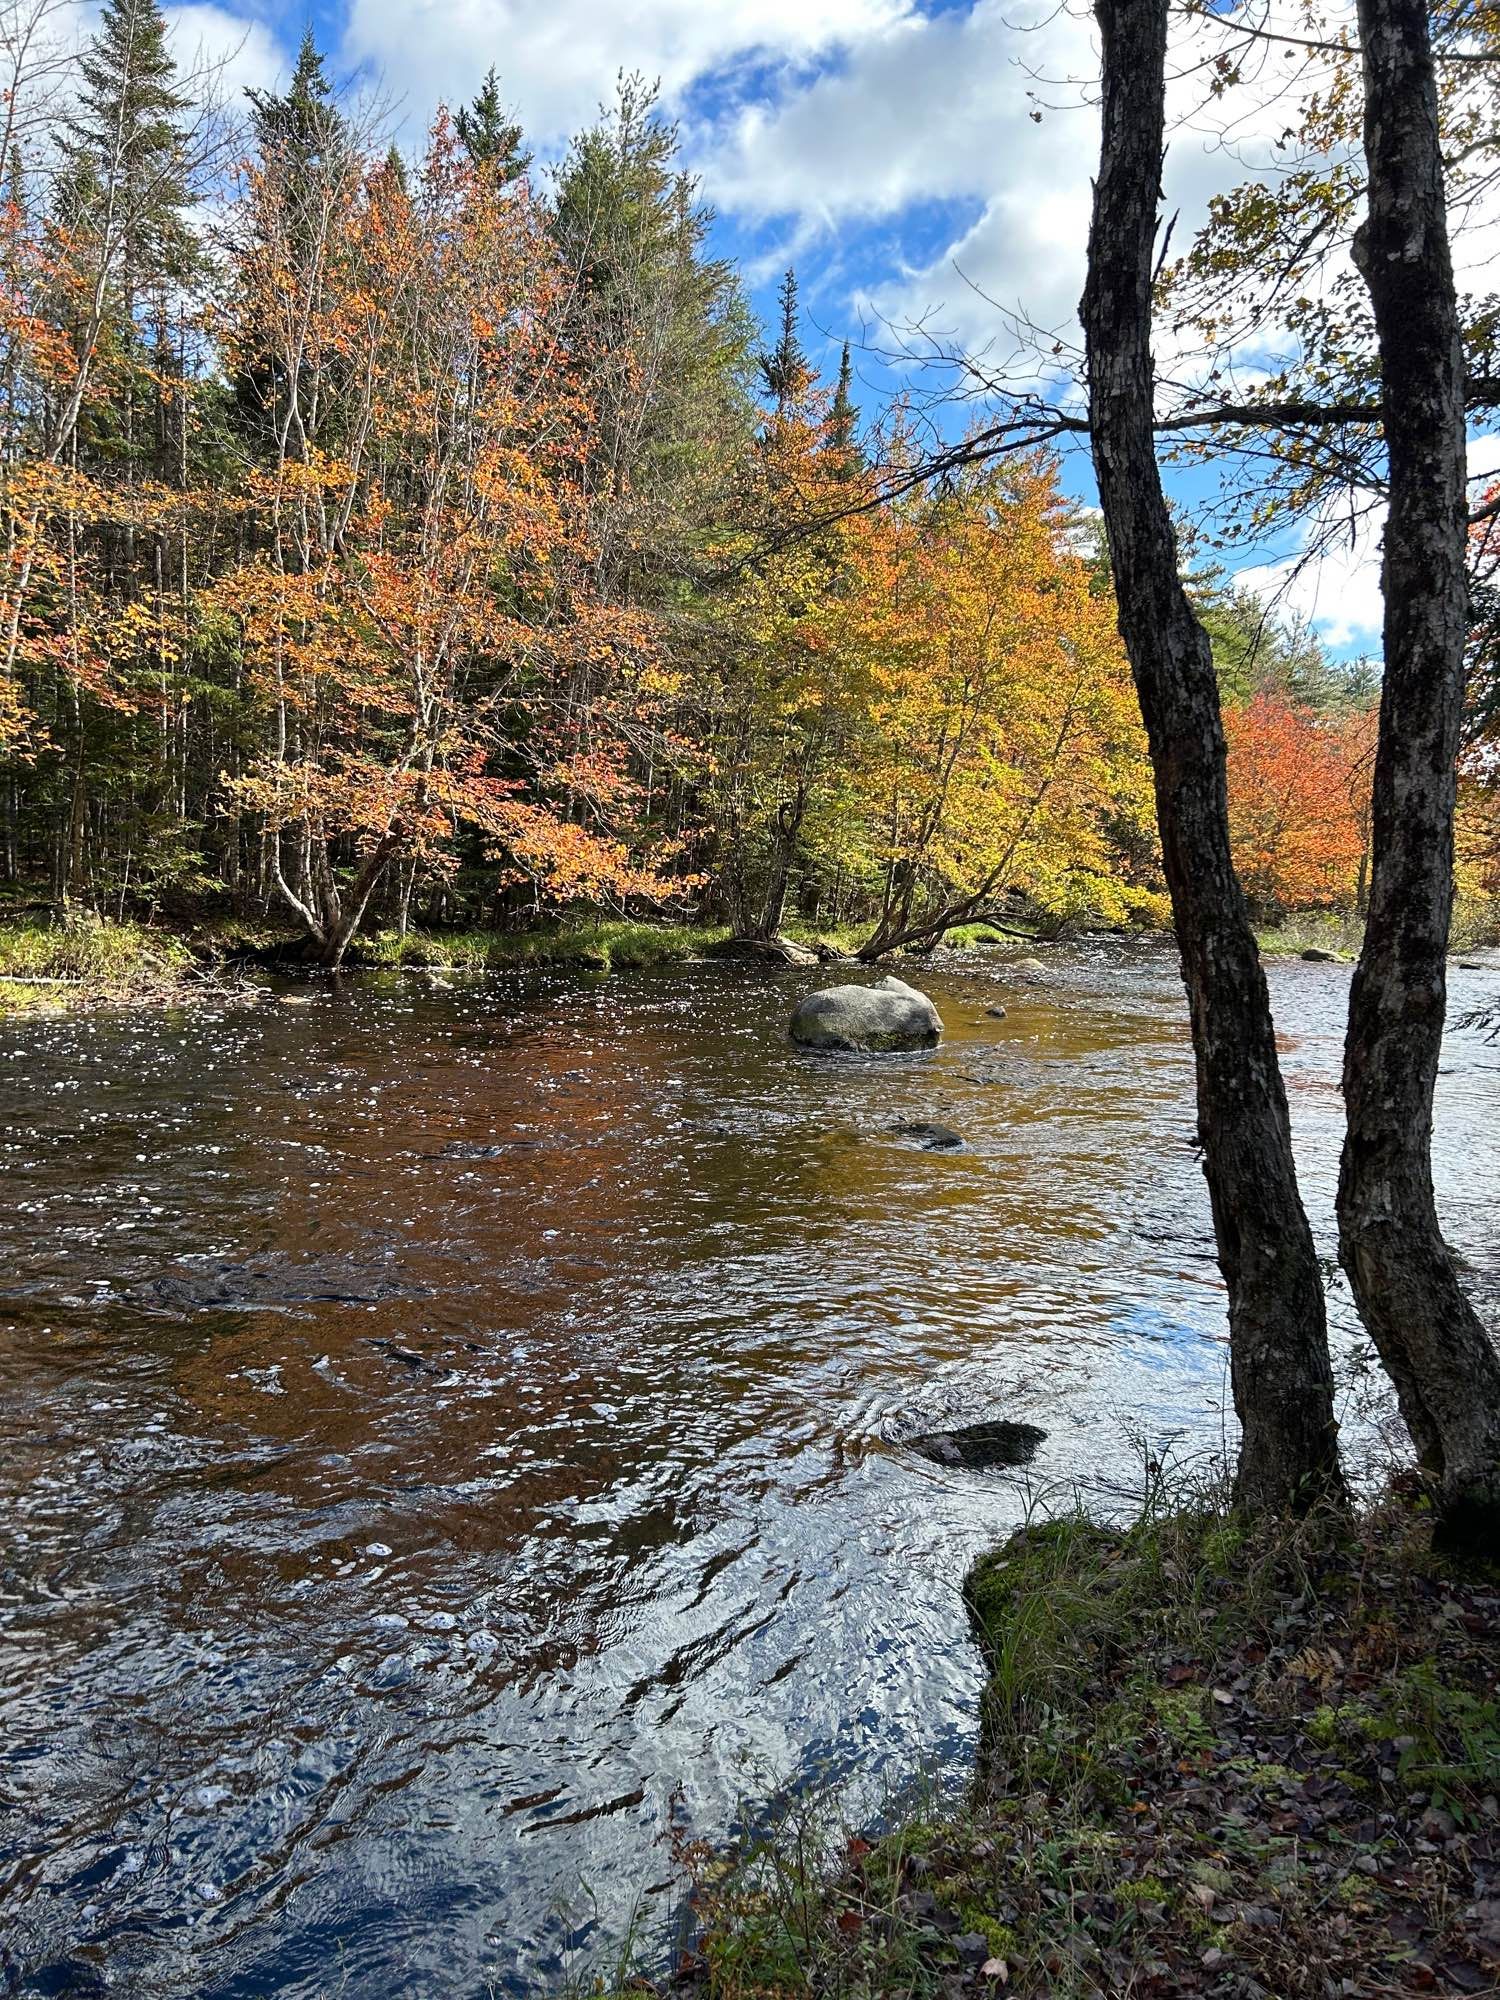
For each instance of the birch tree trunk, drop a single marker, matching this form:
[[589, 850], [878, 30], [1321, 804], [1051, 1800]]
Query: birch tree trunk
[[1279, 1365], [1438, 1354]]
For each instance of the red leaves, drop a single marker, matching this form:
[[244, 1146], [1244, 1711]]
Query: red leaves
[[1299, 787]]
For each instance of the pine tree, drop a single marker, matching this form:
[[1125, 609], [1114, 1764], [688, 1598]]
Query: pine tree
[[843, 421], [785, 369], [492, 139]]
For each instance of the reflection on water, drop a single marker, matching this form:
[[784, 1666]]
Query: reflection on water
[[445, 1435]]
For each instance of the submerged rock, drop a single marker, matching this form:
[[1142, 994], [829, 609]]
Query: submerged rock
[[980, 1447], [889, 1015], [994, 1013], [273, 1281], [931, 1138]]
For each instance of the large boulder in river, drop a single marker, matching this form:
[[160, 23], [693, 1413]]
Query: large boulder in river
[[888, 1015]]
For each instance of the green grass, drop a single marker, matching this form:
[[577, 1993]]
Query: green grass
[[599, 947], [1211, 1753], [84, 961], [1312, 930]]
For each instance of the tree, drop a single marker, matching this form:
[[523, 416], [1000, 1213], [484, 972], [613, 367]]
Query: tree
[[662, 344], [418, 615], [784, 369], [843, 419], [490, 136], [1298, 791], [1279, 1363], [1002, 745], [1438, 1354]]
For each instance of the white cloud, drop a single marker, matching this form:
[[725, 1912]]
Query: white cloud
[[1337, 594], [557, 58], [237, 54]]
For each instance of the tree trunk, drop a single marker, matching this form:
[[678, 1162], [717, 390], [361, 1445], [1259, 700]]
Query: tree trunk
[[1279, 1365], [1441, 1359]]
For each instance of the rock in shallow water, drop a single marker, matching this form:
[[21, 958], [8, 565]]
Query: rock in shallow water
[[980, 1447], [931, 1138], [889, 1015]]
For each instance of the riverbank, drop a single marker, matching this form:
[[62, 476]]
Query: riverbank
[[1214, 1763], [89, 961], [50, 968]]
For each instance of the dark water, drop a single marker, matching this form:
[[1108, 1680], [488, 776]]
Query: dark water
[[398, 1546]]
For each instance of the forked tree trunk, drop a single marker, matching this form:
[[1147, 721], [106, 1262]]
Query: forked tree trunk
[[1279, 1365], [1438, 1353]]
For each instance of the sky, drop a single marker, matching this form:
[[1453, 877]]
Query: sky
[[923, 163]]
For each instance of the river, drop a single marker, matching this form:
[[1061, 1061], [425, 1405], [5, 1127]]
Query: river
[[450, 1438]]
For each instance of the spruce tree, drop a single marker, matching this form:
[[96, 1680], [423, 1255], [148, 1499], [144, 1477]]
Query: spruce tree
[[126, 152], [669, 339], [843, 420], [121, 208], [491, 139], [301, 128], [785, 369]]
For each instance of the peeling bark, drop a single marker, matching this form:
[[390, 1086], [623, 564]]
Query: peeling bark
[[1282, 1380], [1440, 1357]]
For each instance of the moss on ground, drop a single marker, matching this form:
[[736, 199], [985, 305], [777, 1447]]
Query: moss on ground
[[1218, 1762]]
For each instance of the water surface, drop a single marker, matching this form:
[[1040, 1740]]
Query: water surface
[[450, 1439]]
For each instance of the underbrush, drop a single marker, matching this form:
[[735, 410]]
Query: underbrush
[[1217, 1761], [85, 960], [1476, 924], [1312, 930]]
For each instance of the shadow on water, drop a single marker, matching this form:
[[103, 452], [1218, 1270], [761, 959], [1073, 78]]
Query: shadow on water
[[450, 1440]]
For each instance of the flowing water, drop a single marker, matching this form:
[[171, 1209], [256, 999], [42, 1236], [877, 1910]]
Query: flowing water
[[450, 1440]]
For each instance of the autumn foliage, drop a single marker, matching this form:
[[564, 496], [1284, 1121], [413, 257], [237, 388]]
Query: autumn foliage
[[392, 540], [1299, 787]]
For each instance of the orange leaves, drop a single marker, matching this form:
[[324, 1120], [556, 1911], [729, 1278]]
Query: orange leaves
[[418, 611], [1298, 802]]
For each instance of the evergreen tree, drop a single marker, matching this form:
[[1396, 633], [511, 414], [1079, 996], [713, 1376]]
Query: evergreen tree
[[125, 181], [843, 421], [785, 369], [667, 336], [301, 126], [491, 138], [308, 157]]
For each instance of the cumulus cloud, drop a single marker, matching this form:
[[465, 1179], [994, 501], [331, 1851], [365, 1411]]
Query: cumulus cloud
[[1338, 593], [239, 54], [557, 60]]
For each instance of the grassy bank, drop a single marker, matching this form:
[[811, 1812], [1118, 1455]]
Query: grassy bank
[[87, 961], [1476, 924], [1215, 1763], [599, 947]]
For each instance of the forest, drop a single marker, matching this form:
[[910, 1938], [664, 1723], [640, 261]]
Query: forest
[[938, 1436], [433, 539]]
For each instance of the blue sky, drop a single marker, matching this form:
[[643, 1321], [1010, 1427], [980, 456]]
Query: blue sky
[[887, 148]]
